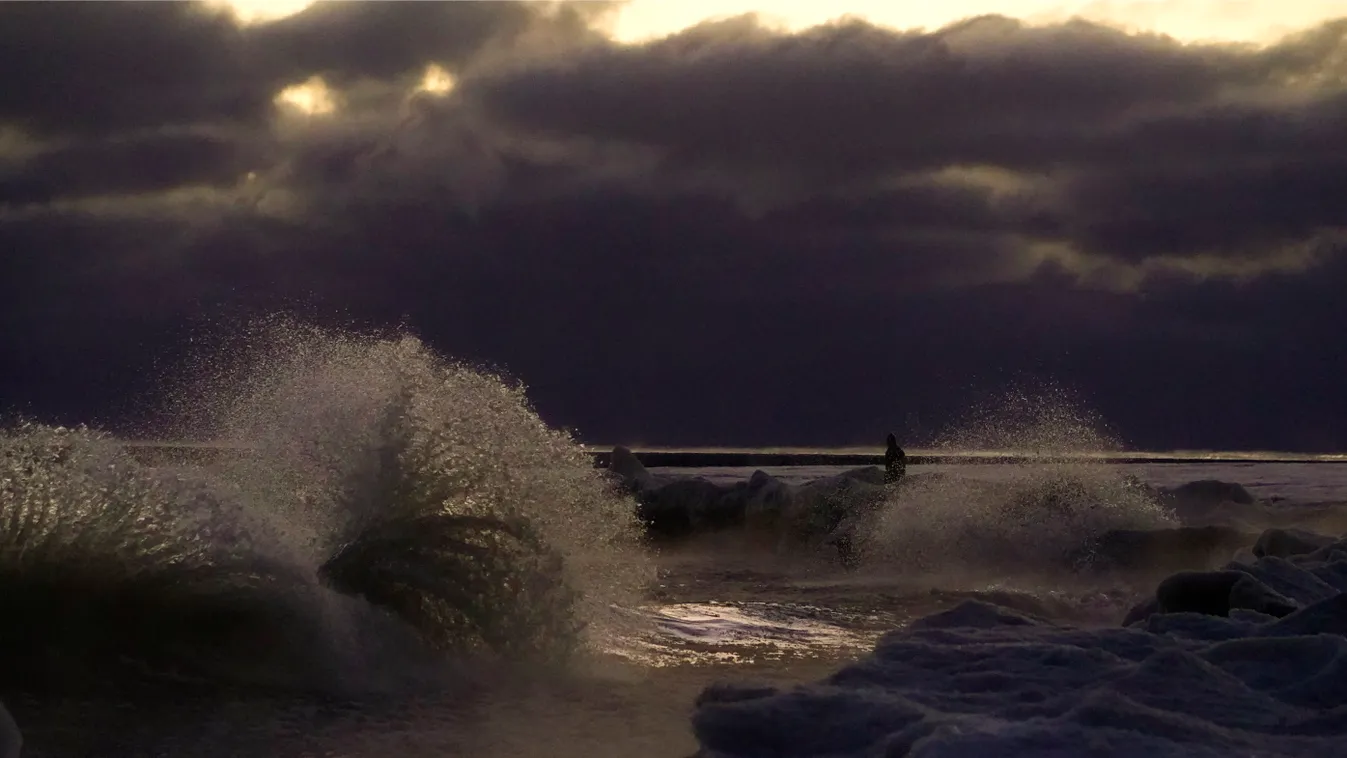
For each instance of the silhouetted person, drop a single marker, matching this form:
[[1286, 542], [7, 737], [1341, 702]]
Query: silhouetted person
[[895, 461], [895, 467]]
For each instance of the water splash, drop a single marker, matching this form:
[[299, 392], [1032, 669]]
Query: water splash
[[1038, 515], [386, 443], [1048, 421], [386, 495], [107, 569]]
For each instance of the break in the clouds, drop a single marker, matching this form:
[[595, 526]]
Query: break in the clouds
[[731, 234]]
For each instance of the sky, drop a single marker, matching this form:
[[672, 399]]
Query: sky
[[694, 224]]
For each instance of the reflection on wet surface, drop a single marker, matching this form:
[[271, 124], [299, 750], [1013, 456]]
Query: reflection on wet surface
[[749, 632], [713, 617]]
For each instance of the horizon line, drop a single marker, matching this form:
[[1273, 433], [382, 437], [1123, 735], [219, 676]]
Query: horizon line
[[852, 451]]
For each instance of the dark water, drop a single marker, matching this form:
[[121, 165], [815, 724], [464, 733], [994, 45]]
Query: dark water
[[407, 527], [410, 562]]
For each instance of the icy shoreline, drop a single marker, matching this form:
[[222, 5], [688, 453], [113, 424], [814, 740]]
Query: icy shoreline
[[1116, 521], [1248, 660]]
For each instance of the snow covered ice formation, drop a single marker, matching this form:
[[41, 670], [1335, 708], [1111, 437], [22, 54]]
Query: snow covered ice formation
[[1248, 661]]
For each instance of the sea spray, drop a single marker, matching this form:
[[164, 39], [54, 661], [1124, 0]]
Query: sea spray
[[1042, 513], [1037, 418], [107, 569], [385, 499], [494, 530]]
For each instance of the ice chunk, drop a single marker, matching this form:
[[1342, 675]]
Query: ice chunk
[[1288, 542], [1207, 668]]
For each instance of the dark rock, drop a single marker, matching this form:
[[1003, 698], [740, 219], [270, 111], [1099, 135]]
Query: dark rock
[[1141, 612], [975, 614], [629, 469], [1203, 500], [1216, 593], [837, 511], [1178, 549], [1250, 594], [1205, 592], [768, 501], [684, 507], [1328, 616], [1284, 543], [866, 474], [1212, 491], [724, 692]]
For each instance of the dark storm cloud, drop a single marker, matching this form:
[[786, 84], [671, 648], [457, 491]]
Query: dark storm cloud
[[925, 206], [100, 68], [385, 40], [1233, 209], [103, 67], [1154, 147], [127, 165], [854, 98], [729, 236]]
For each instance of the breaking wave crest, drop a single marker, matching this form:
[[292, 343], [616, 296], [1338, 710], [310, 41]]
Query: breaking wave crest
[[385, 510], [1039, 517], [1043, 513]]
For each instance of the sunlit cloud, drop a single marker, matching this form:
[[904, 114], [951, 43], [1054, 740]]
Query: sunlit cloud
[[194, 201], [311, 98], [1109, 273], [1256, 21], [262, 11], [16, 145], [997, 181], [436, 80]]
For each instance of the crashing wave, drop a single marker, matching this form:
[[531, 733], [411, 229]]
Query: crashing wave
[[1048, 513], [1040, 518], [394, 510]]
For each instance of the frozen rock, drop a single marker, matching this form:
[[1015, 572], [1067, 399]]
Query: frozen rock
[[684, 507], [769, 499], [1211, 492], [1252, 595], [680, 508], [1284, 543], [1177, 549], [1210, 500], [1205, 592], [821, 505], [629, 469], [866, 474], [1250, 660]]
